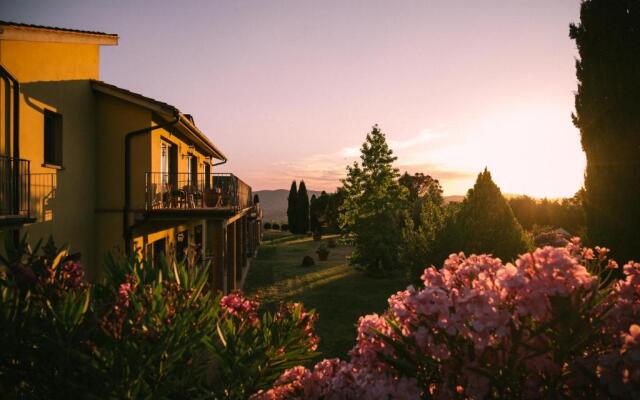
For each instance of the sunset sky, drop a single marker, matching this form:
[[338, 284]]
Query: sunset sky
[[289, 89]]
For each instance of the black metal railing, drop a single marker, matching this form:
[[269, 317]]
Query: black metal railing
[[14, 187], [189, 191]]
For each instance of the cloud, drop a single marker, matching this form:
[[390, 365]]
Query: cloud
[[423, 137]]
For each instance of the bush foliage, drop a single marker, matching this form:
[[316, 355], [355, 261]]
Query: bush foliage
[[555, 324], [144, 332]]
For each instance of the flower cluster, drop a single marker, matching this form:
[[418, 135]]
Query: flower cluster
[[555, 321], [72, 275], [335, 379], [242, 308]]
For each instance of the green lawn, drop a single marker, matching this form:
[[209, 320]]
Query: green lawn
[[336, 290]]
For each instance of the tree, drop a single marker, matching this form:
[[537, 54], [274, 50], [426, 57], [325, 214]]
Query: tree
[[608, 115], [314, 212], [420, 186], [422, 222], [292, 212], [373, 199], [421, 189], [256, 199], [419, 248], [486, 224], [302, 209]]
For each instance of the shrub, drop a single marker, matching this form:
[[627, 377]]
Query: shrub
[[485, 223], [141, 333], [307, 261], [275, 226], [554, 324], [267, 225], [323, 253], [284, 227]]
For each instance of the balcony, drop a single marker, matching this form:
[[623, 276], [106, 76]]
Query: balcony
[[15, 187], [166, 192]]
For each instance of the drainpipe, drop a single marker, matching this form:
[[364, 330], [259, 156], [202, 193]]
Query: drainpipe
[[127, 230]]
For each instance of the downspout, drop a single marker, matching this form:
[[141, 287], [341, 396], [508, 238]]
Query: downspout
[[7, 116], [127, 230]]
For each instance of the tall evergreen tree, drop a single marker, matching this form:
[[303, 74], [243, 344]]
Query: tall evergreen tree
[[314, 213], [486, 224], [292, 211], [608, 116], [371, 205], [302, 209]]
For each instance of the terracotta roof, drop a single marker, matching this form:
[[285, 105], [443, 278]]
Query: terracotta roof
[[54, 28], [186, 119]]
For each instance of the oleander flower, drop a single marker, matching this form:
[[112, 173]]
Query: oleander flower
[[482, 328]]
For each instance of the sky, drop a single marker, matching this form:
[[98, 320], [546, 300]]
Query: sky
[[289, 89]]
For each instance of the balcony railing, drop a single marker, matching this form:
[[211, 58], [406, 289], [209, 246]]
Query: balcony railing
[[166, 191], [14, 188]]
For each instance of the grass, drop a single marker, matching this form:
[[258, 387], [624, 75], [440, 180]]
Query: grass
[[337, 291]]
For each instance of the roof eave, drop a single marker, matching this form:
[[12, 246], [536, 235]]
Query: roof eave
[[37, 34], [217, 153], [160, 108]]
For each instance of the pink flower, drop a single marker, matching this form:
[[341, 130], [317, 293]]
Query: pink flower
[[72, 275], [122, 299], [240, 307]]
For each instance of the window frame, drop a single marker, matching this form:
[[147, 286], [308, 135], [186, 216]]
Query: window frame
[[53, 155]]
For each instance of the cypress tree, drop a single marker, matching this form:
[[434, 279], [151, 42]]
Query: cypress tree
[[302, 209], [608, 115], [485, 223], [314, 222], [292, 212]]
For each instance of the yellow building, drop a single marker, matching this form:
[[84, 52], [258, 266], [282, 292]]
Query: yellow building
[[104, 169]]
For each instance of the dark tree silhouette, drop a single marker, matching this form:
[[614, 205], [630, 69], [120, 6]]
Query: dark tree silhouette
[[302, 209], [486, 224], [292, 212], [314, 212], [608, 116]]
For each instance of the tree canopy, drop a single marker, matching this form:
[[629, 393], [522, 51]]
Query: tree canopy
[[373, 198], [486, 224], [608, 115]]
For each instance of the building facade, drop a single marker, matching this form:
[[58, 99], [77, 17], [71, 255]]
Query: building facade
[[106, 170]]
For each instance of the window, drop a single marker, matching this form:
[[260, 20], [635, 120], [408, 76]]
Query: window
[[192, 170], [52, 138], [207, 176], [168, 164], [164, 163]]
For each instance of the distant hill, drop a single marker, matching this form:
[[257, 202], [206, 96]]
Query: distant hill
[[456, 198], [274, 203]]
